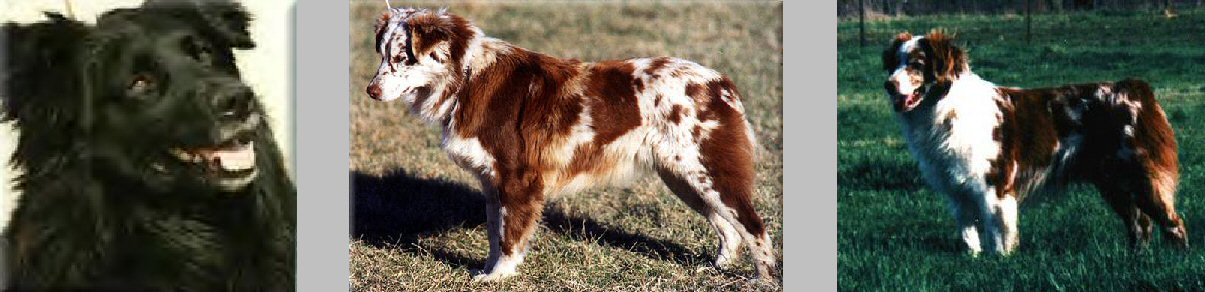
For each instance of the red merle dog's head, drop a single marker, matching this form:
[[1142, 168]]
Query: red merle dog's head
[[918, 64]]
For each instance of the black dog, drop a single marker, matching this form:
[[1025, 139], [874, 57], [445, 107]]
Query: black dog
[[148, 164]]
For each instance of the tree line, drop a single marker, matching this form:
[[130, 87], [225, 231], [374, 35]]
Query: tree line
[[848, 9]]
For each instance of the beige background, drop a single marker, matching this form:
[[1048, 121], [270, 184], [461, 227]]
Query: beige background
[[267, 68]]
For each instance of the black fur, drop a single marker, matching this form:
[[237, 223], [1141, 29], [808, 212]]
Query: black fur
[[104, 206]]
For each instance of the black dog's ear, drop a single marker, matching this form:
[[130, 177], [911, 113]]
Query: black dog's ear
[[224, 19], [43, 71]]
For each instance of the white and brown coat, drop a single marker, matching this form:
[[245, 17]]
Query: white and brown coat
[[531, 126], [985, 147]]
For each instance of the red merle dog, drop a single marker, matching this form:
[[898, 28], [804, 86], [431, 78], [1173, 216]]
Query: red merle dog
[[530, 126], [985, 146]]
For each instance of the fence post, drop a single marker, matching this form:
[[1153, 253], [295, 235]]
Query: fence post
[[861, 23], [1028, 21]]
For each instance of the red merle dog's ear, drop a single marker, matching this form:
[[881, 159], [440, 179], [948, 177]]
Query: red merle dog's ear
[[428, 29], [948, 60], [891, 58], [382, 23]]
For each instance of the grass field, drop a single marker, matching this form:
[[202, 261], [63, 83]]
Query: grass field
[[418, 222], [896, 234]]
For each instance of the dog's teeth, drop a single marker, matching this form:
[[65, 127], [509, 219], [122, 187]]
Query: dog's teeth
[[242, 158], [183, 155]]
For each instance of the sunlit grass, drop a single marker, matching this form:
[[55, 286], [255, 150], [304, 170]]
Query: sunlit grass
[[419, 216]]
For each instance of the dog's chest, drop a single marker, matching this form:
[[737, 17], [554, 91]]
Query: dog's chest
[[469, 153], [953, 139]]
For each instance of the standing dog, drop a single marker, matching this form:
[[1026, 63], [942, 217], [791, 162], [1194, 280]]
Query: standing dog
[[148, 163], [531, 126], [986, 146]]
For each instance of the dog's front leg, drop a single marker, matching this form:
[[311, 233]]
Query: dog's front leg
[[999, 222], [512, 210], [493, 229], [1006, 212], [966, 214]]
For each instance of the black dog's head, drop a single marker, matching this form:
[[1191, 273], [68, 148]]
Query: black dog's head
[[148, 95]]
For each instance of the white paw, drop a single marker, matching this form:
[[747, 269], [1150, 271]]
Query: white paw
[[480, 276], [723, 262]]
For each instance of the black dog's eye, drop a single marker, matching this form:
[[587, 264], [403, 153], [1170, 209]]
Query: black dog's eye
[[141, 85]]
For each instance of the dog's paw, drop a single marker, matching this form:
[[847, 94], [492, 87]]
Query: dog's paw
[[480, 276]]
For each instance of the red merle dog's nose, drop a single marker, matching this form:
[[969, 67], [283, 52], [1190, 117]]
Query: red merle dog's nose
[[373, 91]]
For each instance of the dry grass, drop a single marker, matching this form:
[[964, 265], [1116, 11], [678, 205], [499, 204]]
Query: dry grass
[[418, 217]]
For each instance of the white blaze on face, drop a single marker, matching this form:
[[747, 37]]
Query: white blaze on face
[[902, 77]]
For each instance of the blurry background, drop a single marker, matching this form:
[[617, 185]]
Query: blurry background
[[267, 68], [418, 218], [894, 232]]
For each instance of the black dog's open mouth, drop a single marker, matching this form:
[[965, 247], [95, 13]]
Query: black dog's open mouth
[[230, 165]]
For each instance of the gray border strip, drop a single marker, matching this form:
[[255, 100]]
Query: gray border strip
[[322, 124], [810, 148]]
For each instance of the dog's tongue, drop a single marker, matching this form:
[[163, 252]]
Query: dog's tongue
[[907, 102], [234, 158]]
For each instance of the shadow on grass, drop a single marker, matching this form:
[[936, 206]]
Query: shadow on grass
[[396, 209], [586, 229]]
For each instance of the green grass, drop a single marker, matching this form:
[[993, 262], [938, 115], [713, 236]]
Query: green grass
[[896, 234], [418, 217]]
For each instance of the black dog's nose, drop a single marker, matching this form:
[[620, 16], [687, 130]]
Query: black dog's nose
[[234, 102]]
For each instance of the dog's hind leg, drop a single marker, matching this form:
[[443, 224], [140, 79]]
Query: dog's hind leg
[[1138, 224], [1149, 146], [1156, 198], [730, 238], [716, 177]]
